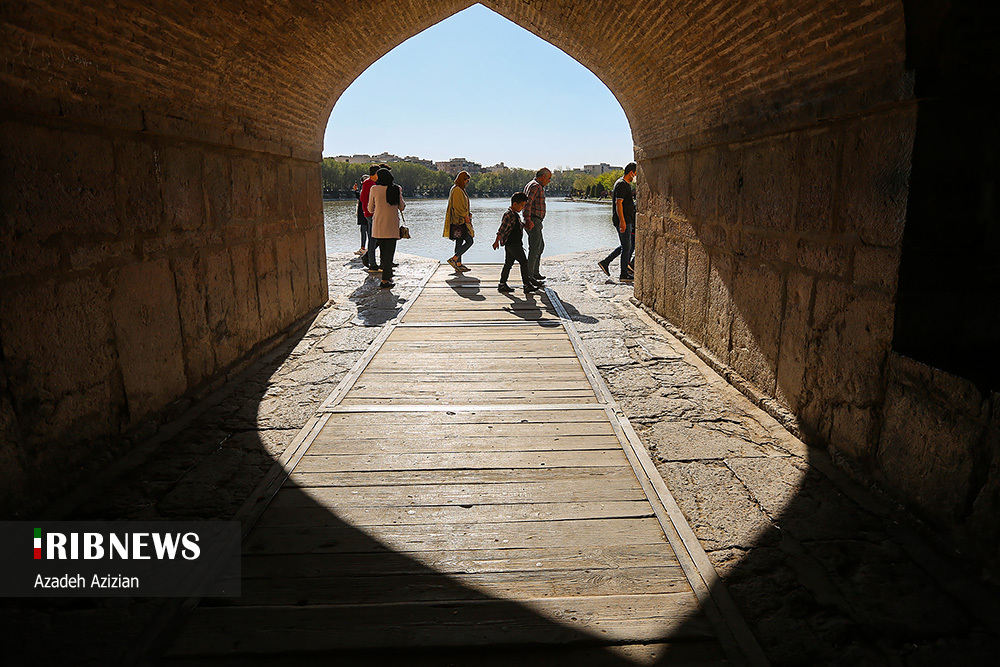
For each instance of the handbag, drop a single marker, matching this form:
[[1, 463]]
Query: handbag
[[457, 231], [404, 232]]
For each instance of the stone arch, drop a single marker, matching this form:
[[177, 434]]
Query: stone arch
[[163, 223]]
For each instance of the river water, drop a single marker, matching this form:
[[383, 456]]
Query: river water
[[569, 227]]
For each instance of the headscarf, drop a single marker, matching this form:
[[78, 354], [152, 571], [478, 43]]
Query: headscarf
[[392, 192]]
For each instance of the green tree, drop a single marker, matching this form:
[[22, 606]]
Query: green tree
[[606, 181], [486, 184], [338, 177], [562, 182], [583, 183]]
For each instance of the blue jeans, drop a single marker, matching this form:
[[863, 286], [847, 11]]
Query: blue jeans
[[627, 239], [370, 255], [536, 244], [461, 245]]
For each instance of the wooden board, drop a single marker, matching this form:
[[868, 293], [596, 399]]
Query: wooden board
[[480, 441], [350, 588], [489, 622], [392, 516], [594, 558], [308, 483], [513, 490], [414, 423], [515, 460], [447, 537]]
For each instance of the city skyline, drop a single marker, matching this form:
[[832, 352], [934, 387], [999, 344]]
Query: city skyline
[[479, 86], [386, 156]]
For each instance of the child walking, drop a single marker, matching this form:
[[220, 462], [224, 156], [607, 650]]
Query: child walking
[[510, 237]]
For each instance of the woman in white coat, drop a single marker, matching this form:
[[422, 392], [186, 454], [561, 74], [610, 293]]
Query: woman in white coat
[[385, 201]]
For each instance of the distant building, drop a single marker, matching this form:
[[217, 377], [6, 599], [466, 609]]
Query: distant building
[[354, 159], [496, 168], [457, 164], [416, 160], [598, 169], [386, 158]]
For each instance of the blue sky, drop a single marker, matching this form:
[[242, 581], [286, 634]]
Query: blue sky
[[460, 89]]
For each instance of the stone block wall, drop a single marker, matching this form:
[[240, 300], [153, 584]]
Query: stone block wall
[[780, 254], [939, 448], [778, 242], [135, 270]]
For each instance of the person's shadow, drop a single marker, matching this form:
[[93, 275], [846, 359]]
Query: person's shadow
[[466, 286]]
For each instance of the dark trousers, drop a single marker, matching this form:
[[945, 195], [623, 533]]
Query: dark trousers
[[514, 252], [386, 248], [370, 255], [461, 245], [364, 234], [536, 244], [627, 239]]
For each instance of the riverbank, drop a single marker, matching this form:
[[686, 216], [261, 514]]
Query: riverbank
[[587, 201]]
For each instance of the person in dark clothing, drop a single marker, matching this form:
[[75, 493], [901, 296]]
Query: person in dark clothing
[[623, 217], [362, 221], [509, 236], [368, 258]]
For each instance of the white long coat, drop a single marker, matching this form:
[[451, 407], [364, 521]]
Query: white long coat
[[385, 217]]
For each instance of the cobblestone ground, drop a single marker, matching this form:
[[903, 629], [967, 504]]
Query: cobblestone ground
[[824, 571]]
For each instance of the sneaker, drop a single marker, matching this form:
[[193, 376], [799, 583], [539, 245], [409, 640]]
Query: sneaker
[[538, 286], [361, 252], [532, 289], [627, 279], [604, 267], [374, 269], [387, 284], [454, 263], [463, 267], [539, 278], [504, 287]]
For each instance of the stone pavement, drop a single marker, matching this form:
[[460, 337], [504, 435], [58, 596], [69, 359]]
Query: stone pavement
[[825, 572]]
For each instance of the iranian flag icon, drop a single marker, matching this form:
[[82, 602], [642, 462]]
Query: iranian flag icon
[[38, 543]]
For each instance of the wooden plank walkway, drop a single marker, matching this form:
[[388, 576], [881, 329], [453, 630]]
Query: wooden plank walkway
[[470, 494]]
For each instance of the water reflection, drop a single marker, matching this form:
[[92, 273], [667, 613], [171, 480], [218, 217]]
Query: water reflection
[[569, 227]]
